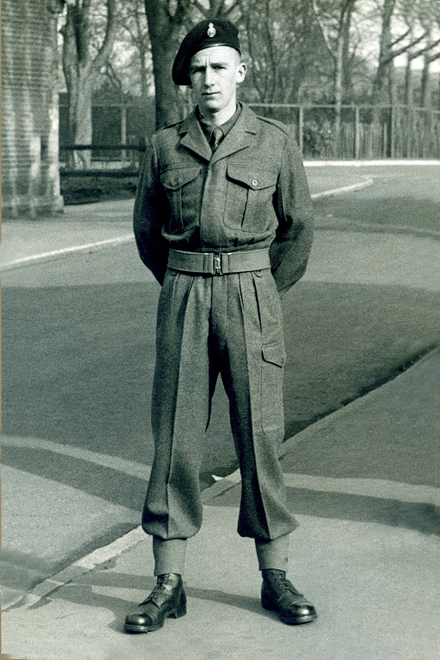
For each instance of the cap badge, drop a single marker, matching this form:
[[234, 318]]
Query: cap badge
[[211, 32]]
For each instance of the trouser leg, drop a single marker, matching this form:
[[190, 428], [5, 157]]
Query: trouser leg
[[180, 413], [252, 356], [235, 322]]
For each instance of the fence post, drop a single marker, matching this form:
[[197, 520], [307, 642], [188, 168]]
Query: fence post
[[124, 130], [356, 131], [142, 149], [409, 131], [301, 129], [392, 132]]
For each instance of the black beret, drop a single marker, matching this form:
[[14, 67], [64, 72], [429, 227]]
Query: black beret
[[207, 33]]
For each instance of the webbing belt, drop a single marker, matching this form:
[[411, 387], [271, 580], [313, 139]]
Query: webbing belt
[[218, 263]]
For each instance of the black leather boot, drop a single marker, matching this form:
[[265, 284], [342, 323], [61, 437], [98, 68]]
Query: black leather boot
[[279, 594], [166, 600]]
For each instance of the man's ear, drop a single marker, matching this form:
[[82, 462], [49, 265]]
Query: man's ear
[[241, 72]]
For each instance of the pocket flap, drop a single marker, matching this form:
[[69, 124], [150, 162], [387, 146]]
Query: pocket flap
[[174, 179], [255, 179], [274, 353]]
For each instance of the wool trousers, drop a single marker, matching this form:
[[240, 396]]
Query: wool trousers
[[228, 325]]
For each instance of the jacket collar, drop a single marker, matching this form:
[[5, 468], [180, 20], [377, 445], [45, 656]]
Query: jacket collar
[[238, 138]]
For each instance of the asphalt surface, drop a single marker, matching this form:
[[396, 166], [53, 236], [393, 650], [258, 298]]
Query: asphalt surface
[[363, 480]]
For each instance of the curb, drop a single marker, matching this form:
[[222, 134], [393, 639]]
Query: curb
[[124, 543], [135, 536], [338, 191], [347, 226], [366, 163], [128, 238], [57, 254], [84, 565]]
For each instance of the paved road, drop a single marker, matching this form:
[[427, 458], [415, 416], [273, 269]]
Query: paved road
[[78, 340], [79, 334], [401, 196]]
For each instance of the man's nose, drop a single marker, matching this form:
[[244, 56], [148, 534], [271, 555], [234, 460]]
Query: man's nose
[[209, 76]]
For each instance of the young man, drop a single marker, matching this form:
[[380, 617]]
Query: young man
[[223, 220]]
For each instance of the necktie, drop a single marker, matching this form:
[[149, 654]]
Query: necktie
[[215, 138]]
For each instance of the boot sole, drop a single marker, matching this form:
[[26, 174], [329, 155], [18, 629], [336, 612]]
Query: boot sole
[[302, 619], [307, 618], [172, 614]]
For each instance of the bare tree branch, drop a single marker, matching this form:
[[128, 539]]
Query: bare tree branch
[[402, 50], [107, 44]]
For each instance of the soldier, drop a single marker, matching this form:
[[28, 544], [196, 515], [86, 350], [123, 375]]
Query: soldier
[[223, 220]]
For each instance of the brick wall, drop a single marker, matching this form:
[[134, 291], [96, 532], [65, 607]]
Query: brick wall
[[30, 172]]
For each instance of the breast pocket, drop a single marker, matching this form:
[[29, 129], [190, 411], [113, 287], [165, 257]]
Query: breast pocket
[[183, 189], [249, 198]]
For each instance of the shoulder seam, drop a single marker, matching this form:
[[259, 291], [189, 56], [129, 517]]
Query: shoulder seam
[[163, 128], [276, 123]]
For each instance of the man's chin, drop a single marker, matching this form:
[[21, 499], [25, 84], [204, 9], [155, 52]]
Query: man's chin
[[213, 104]]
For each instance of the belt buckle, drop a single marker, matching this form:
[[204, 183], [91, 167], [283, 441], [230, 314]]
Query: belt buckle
[[217, 264]]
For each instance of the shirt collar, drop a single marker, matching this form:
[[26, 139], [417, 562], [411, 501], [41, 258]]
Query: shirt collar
[[208, 127]]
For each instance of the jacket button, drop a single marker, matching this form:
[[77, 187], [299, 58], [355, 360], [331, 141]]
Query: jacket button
[[254, 182]]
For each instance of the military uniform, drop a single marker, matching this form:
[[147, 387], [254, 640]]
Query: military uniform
[[223, 219], [224, 233]]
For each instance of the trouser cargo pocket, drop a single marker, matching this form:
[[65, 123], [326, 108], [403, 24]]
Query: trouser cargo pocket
[[274, 357]]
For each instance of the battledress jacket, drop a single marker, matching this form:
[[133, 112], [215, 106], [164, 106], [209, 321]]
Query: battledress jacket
[[251, 193]]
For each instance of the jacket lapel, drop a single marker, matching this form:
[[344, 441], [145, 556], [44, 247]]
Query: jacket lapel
[[192, 137], [239, 137]]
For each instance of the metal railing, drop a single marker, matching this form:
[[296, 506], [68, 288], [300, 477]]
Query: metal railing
[[360, 131], [108, 160], [355, 132]]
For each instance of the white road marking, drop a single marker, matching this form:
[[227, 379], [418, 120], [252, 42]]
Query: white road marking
[[379, 488], [139, 470], [75, 249], [107, 552], [91, 247], [338, 191], [128, 238]]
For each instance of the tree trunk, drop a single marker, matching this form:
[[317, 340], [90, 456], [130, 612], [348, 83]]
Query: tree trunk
[[340, 55], [164, 37], [425, 92], [409, 88], [167, 100], [383, 74], [341, 66], [82, 121], [79, 94], [80, 72], [338, 92], [144, 76], [346, 68]]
